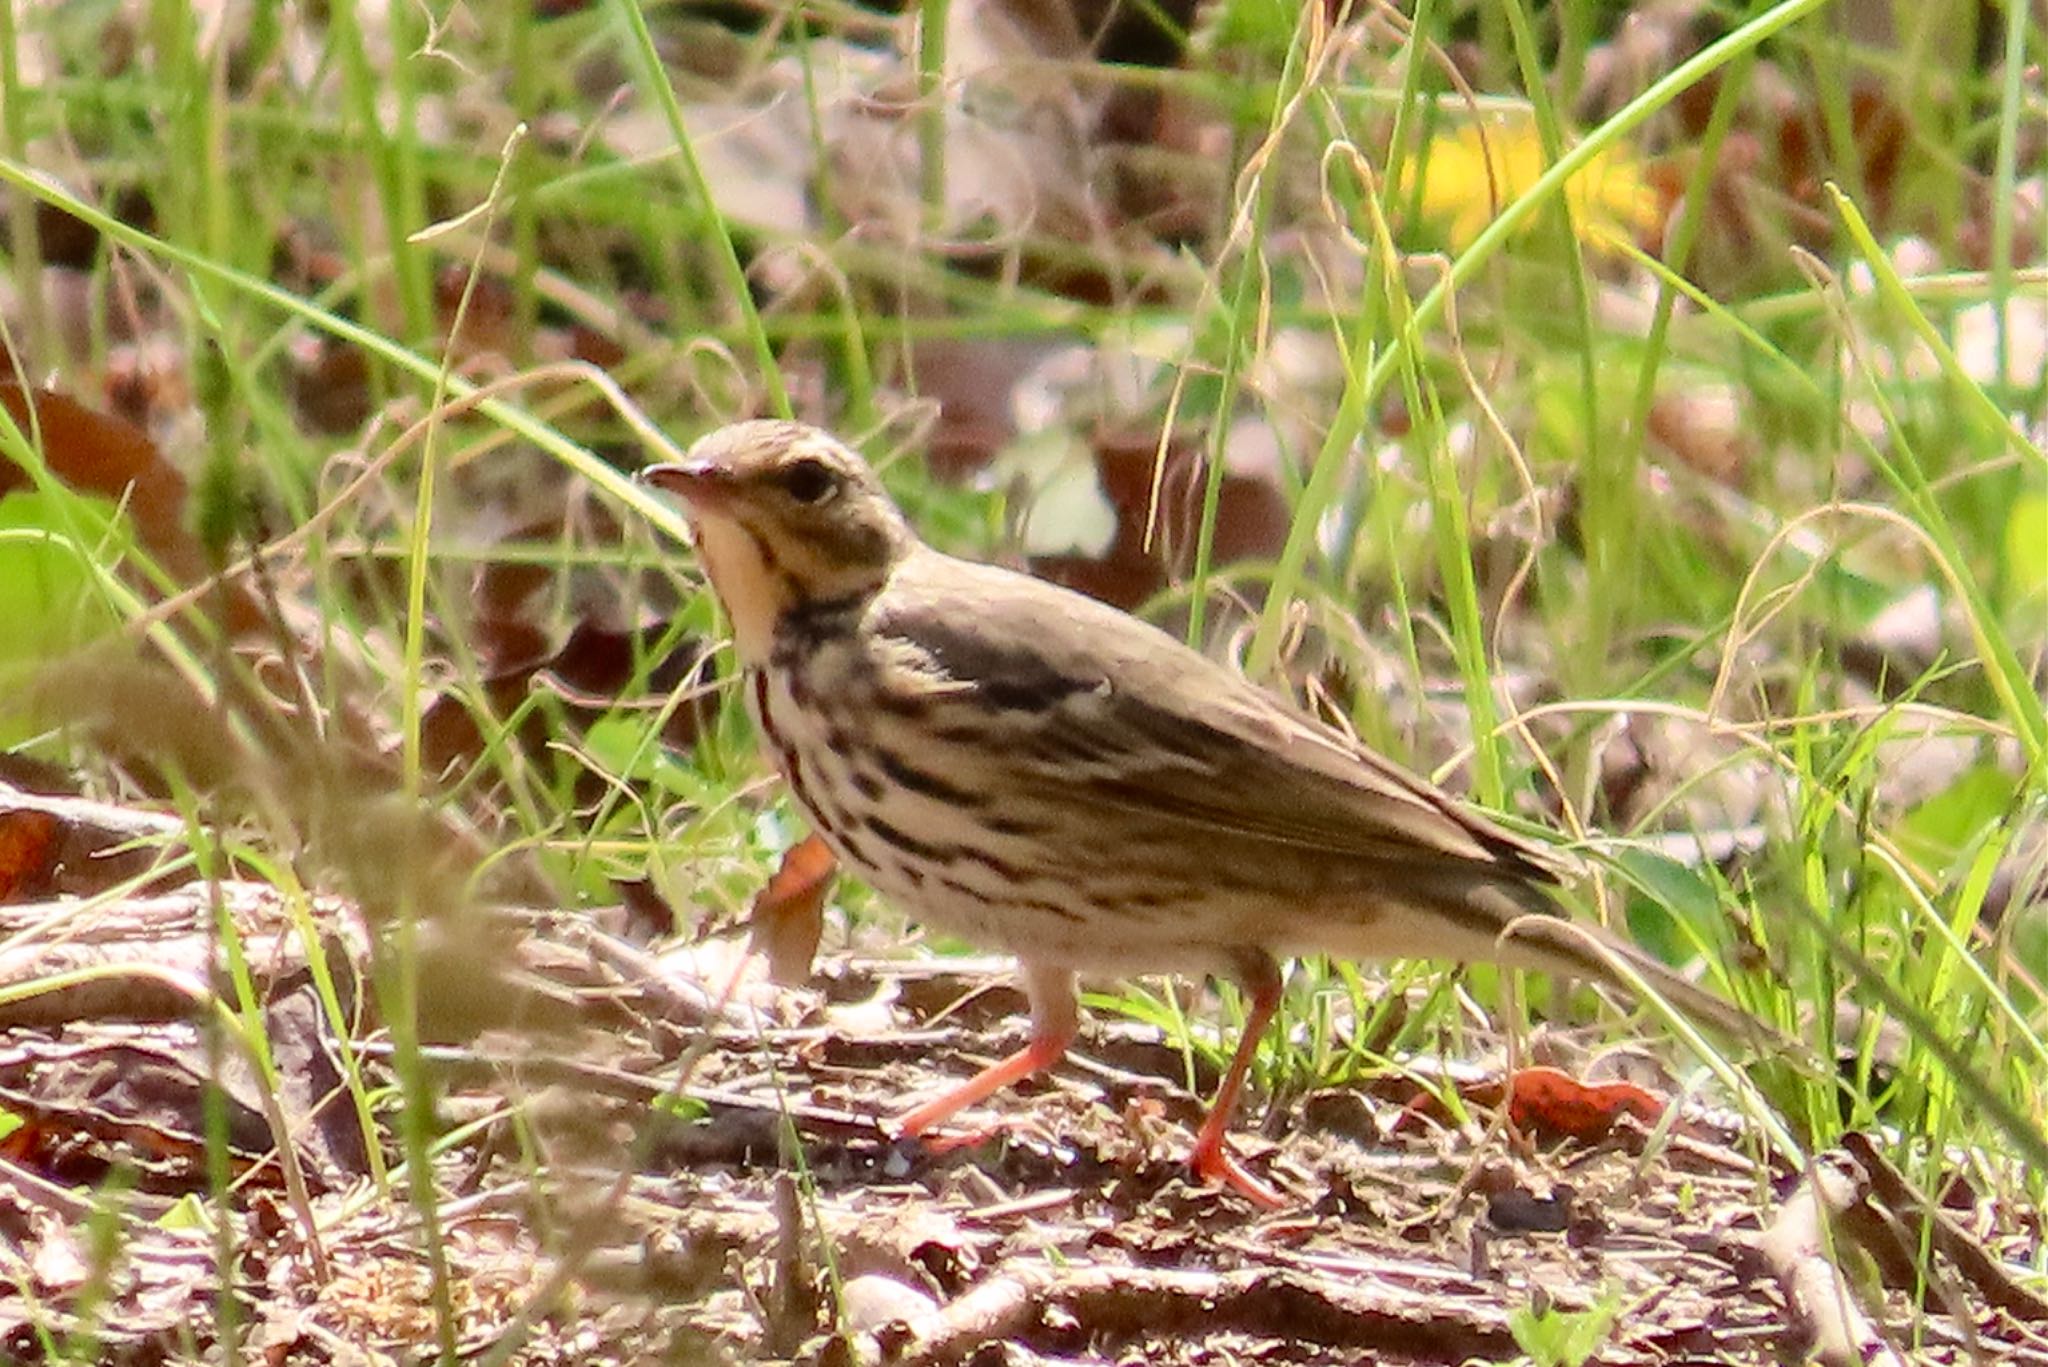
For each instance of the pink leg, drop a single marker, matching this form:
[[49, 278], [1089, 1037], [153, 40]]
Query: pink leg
[[1055, 1020], [1211, 1158]]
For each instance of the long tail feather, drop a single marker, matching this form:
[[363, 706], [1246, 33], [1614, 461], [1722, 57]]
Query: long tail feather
[[1543, 940]]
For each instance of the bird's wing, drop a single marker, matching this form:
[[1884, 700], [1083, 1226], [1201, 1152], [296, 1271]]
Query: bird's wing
[[1119, 715]]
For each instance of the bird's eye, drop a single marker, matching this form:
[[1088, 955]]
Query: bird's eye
[[809, 481]]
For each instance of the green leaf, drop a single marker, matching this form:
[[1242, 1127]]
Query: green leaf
[[1942, 827], [622, 746], [1260, 28], [1672, 892], [1560, 1338], [48, 584], [51, 597], [688, 1109], [187, 1212], [2026, 546]]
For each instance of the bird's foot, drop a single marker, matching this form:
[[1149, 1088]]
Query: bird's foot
[[1212, 1162], [958, 1137]]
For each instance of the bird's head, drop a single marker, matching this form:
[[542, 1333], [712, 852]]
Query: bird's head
[[785, 515]]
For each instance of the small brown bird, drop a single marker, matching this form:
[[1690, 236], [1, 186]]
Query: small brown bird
[[1028, 768]]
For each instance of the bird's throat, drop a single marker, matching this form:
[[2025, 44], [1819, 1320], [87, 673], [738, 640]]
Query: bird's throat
[[752, 587]]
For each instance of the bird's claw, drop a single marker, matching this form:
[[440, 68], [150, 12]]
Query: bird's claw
[[1213, 1163]]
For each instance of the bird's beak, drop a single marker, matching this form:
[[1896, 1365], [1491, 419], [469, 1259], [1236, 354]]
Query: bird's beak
[[699, 483]]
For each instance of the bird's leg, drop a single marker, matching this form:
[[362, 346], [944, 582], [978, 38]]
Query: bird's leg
[[1055, 1021], [1211, 1158]]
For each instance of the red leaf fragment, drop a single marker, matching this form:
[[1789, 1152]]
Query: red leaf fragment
[[28, 853], [789, 913], [1550, 1102]]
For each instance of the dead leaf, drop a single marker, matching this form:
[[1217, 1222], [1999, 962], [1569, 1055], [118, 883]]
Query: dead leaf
[[76, 847], [974, 381], [1548, 1101], [487, 311], [789, 913], [98, 453], [1551, 1101], [1159, 517], [329, 383], [28, 853], [1705, 428], [590, 669]]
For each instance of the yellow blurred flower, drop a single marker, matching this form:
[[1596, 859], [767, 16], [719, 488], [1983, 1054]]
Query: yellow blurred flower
[[1470, 173]]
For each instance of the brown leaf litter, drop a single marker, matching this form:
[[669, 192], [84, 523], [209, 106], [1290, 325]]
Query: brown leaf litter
[[679, 1160]]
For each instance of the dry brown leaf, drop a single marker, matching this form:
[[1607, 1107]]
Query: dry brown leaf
[[789, 913], [28, 853]]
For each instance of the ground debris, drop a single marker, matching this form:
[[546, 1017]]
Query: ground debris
[[684, 1159]]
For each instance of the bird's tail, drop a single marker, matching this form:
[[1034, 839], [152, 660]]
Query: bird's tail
[[1508, 916], [1534, 935]]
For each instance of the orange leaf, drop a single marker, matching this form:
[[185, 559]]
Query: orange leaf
[[1550, 1100], [789, 913], [28, 853]]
